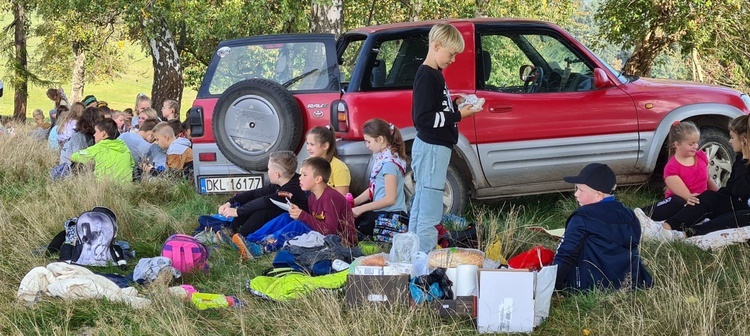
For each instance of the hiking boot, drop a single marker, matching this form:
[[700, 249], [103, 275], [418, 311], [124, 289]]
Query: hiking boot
[[224, 236], [241, 242]]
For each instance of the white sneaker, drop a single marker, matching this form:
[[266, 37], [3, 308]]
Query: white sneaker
[[650, 230]]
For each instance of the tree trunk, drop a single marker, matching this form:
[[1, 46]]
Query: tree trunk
[[481, 8], [697, 69], [21, 80], [167, 67], [416, 7], [641, 61], [327, 16], [78, 82]]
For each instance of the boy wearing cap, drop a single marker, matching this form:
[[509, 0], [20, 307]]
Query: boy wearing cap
[[600, 245]]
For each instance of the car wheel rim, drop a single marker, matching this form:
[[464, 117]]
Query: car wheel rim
[[252, 125], [719, 162], [410, 187]]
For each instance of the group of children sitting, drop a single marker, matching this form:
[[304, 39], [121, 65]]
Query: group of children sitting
[[283, 209], [90, 132], [600, 247]]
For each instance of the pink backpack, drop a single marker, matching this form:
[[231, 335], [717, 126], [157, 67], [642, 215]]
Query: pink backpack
[[186, 253]]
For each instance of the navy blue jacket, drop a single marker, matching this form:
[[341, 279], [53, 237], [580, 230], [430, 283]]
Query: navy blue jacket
[[600, 249]]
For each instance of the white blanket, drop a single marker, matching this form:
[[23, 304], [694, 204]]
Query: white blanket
[[721, 238], [73, 282]]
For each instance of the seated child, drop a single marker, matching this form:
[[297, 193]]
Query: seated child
[[140, 144], [254, 208], [40, 123], [329, 213], [111, 156], [321, 142], [179, 151], [386, 192], [600, 245], [685, 174]]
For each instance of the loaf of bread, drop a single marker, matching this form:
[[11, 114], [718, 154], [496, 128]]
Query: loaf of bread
[[452, 257], [373, 260]]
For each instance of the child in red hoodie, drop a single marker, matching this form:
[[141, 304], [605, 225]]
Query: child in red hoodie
[[329, 211]]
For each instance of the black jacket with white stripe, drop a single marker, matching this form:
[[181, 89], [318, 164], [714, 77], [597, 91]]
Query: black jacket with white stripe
[[433, 112]]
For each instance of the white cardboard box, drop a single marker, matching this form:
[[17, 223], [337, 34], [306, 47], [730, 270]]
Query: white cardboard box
[[514, 300]]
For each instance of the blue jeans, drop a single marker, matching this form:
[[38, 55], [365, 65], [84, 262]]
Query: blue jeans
[[430, 166]]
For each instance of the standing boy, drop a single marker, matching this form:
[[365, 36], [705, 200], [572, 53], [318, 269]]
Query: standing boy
[[600, 245], [436, 118]]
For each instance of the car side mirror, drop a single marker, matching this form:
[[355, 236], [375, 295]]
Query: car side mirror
[[601, 80]]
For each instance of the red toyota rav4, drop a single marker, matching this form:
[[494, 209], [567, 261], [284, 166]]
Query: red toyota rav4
[[552, 106]]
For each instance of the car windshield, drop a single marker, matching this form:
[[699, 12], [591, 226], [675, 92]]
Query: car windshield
[[299, 66], [623, 78]]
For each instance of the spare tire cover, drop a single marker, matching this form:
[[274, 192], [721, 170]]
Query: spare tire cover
[[254, 118]]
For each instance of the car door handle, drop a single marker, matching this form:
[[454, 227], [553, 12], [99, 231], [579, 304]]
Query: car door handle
[[501, 109]]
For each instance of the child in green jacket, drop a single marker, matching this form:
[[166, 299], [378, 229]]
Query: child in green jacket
[[112, 158]]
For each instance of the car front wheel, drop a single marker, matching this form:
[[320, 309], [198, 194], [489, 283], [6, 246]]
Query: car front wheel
[[715, 143]]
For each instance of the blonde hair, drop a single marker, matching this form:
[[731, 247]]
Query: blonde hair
[[175, 106], [151, 113], [286, 161], [38, 113], [163, 128], [448, 36], [75, 112]]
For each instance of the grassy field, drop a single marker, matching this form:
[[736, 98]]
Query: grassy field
[[119, 93], [695, 293]]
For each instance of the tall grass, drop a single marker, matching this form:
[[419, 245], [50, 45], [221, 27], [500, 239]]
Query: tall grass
[[695, 292]]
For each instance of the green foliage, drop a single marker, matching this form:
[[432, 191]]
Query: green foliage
[[714, 30]]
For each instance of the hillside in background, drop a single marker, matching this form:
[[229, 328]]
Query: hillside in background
[[119, 93]]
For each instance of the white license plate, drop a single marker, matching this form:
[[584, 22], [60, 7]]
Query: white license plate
[[211, 185]]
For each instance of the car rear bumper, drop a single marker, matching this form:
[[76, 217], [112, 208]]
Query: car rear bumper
[[219, 168]]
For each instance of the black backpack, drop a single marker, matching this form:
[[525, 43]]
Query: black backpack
[[89, 239]]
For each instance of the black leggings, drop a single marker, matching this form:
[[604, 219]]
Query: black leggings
[[666, 208], [731, 220], [712, 205], [245, 225]]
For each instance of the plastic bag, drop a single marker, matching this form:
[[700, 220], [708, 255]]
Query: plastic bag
[[404, 247], [419, 264]]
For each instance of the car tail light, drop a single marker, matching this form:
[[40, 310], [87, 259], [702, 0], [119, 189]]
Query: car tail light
[[207, 157], [195, 116], [340, 116]]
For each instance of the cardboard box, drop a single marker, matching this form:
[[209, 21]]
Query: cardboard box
[[514, 300], [383, 289], [462, 306]]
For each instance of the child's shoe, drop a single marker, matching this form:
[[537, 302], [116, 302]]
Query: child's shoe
[[224, 237], [256, 250], [241, 244]]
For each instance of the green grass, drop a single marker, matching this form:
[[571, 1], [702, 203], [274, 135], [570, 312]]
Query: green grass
[[119, 93], [695, 293]]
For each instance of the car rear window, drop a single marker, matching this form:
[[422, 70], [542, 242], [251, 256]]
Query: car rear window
[[300, 66]]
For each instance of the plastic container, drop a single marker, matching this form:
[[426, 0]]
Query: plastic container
[[204, 301]]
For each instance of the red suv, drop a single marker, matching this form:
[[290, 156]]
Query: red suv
[[552, 106]]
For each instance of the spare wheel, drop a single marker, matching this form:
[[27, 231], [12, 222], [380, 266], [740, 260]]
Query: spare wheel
[[254, 118]]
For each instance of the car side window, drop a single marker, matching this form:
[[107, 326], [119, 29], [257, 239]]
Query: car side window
[[394, 63], [549, 65]]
